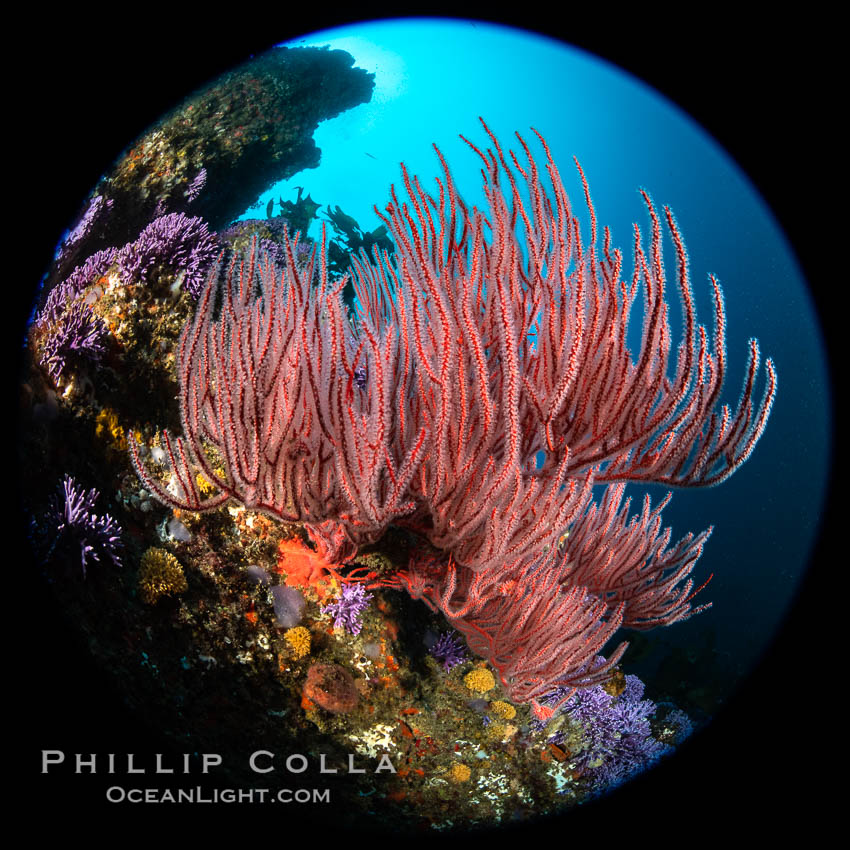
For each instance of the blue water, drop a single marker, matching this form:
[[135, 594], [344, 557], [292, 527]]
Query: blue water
[[434, 78]]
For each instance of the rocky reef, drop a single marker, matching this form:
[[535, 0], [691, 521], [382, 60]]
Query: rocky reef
[[249, 129]]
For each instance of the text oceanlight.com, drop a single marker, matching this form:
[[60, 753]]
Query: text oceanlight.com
[[117, 794]]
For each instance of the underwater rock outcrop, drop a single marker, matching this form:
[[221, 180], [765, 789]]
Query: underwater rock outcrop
[[249, 129]]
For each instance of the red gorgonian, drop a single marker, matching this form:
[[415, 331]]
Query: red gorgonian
[[481, 387]]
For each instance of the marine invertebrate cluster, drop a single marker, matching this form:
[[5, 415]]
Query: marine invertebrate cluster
[[615, 739], [160, 574], [97, 209], [196, 186], [460, 773], [503, 709], [500, 390], [69, 334], [108, 428], [62, 297]]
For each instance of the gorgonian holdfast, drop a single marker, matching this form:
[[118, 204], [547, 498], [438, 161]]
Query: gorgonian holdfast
[[500, 390]]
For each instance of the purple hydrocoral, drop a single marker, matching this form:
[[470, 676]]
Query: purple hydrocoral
[[195, 187], [76, 335], [617, 741], [449, 650], [60, 296], [94, 211], [678, 726], [242, 232], [73, 524], [95, 266], [348, 609], [180, 242], [72, 332]]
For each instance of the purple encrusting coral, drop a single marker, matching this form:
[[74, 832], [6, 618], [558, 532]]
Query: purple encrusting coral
[[348, 609], [73, 524], [449, 650], [180, 242], [617, 738]]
